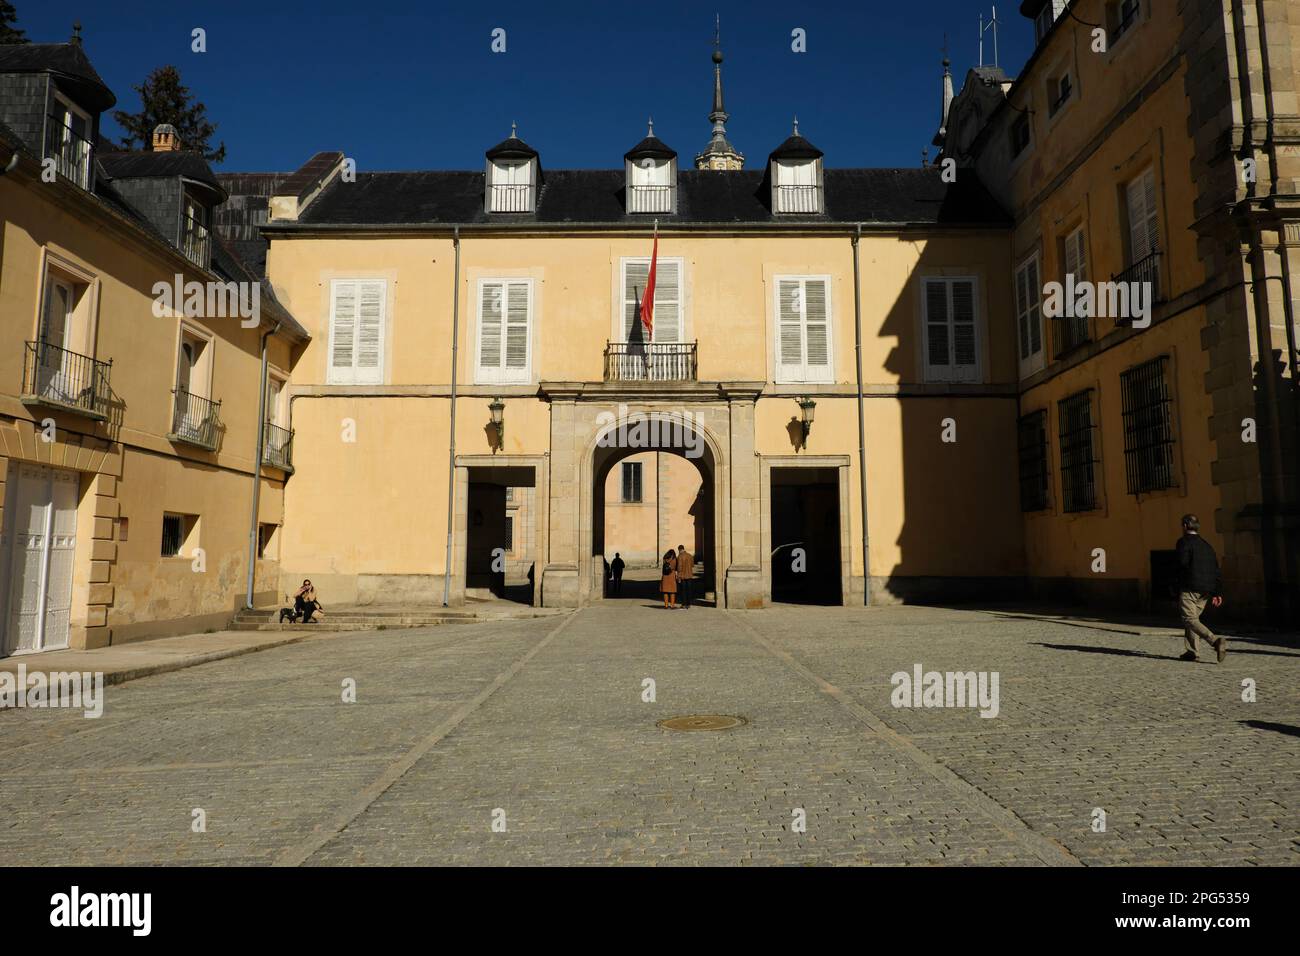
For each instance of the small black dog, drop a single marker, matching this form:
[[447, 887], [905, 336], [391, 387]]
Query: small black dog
[[290, 614]]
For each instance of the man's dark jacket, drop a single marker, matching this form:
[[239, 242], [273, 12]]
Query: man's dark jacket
[[1198, 568]]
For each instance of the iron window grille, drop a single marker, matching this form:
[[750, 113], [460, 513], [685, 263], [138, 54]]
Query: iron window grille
[[173, 533], [1033, 461], [1078, 461], [1148, 427]]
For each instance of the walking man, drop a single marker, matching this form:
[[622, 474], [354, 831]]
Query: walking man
[[616, 574], [1199, 583], [685, 574]]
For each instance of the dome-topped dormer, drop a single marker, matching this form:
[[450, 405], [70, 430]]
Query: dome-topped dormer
[[795, 171], [513, 174], [650, 174]]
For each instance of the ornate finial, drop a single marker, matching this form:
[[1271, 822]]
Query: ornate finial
[[76, 33], [946, 62], [651, 124], [925, 157], [717, 38], [513, 130], [796, 126]]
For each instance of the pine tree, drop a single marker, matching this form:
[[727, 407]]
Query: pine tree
[[164, 99], [9, 32]]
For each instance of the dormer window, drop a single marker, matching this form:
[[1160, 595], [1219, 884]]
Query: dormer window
[[795, 169], [513, 176], [650, 169], [67, 140], [196, 240], [1046, 18]]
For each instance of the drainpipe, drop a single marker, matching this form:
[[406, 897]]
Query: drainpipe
[[451, 460], [862, 426], [257, 472]]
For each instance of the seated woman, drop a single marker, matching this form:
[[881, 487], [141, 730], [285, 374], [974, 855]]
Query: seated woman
[[305, 603]]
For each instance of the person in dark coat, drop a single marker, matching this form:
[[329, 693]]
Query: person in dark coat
[[616, 574], [685, 574], [1199, 583]]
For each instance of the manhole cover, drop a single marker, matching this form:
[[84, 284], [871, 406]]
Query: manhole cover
[[701, 722]]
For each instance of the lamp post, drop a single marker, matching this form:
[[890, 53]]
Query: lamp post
[[498, 410], [807, 411]]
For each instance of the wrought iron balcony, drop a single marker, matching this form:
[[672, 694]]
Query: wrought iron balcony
[[650, 361], [277, 446], [511, 197], [69, 150], [650, 198], [1146, 269], [196, 242], [195, 419], [799, 199], [55, 376]]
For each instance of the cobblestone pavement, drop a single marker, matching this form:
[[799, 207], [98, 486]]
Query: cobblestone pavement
[[540, 725]]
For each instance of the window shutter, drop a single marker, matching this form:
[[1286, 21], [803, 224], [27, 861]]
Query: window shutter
[[1033, 289], [491, 320], [1022, 308], [789, 329], [636, 273], [936, 325], [963, 327], [370, 333], [343, 333], [1143, 234], [668, 304], [817, 358], [517, 309]]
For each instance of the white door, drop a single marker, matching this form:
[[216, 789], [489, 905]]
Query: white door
[[40, 540]]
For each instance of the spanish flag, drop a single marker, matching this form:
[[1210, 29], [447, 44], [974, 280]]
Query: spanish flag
[[648, 300]]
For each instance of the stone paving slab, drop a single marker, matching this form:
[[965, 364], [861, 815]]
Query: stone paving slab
[[543, 719]]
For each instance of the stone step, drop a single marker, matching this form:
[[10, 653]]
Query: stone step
[[323, 627]]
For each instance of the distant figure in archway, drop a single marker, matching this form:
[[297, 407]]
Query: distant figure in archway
[[685, 574], [668, 581], [616, 574]]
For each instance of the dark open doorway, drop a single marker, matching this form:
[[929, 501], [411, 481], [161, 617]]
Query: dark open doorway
[[806, 536], [501, 534]]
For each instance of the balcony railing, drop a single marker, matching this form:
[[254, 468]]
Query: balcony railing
[[195, 419], [650, 199], [512, 197], [195, 241], [56, 376], [69, 150], [277, 446], [650, 362], [798, 199], [1146, 269]]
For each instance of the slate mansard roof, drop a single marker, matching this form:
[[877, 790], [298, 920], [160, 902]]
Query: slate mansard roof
[[705, 197]]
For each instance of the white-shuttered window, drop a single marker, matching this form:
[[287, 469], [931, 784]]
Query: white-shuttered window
[[357, 321], [667, 320], [505, 324], [1076, 255], [1143, 224], [1029, 314], [803, 329], [951, 329]]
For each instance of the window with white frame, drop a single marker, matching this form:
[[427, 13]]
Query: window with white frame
[[651, 185], [952, 340], [1029, 314], [803, 329], [632, 482], [356, 346], [1076, 255], [505, 322], [796, 186], [68, 140], [512, 186], [666, 324]]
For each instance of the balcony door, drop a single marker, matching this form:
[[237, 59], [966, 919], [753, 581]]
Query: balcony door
[[54, 370], [36, 555]]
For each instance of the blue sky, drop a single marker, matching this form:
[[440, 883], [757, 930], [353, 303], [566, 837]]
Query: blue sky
[[399, 84]]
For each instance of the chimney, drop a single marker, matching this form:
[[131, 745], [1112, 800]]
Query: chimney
[[166, 139]]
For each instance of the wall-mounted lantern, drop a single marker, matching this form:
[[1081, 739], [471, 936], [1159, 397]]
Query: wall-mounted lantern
[[498, 410], [807, 411]]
